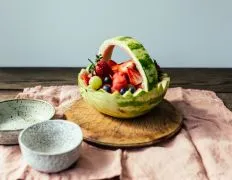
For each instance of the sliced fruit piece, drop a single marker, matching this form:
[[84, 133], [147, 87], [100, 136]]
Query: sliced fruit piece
[[111, 63], [139, 55], [119, 81], [134, 77], [115, 68], [95, 82], [125, 65], [85, 77]]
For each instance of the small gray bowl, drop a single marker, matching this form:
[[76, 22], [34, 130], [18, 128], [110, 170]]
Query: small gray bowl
[[51, 146], [17, 114]]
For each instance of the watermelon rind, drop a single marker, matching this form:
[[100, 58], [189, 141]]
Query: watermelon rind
[[139, 55], [127, 105]]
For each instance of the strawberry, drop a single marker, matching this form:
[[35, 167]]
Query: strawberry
[[111, 63], [102, 69], [125, 65], [115, 68], [119, 81], [134, 77], [85, 77]]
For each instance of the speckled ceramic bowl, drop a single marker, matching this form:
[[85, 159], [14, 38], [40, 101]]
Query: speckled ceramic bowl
[[17, 114], [51, 146]]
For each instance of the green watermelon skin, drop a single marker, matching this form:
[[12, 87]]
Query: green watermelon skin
[[139, 55], [127, 105], [124, 106]]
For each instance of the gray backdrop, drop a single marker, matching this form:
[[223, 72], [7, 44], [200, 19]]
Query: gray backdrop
[[178, 33]]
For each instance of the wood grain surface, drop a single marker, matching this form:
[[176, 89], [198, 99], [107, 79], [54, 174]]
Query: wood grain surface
[[159, 124], [219, 80]]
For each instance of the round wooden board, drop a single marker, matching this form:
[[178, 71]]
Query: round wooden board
[[161, 123]]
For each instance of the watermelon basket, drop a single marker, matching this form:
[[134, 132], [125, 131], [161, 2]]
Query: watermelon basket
[[127, 105]]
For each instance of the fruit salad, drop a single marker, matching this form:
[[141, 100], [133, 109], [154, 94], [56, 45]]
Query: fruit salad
[[111, 76], [124, 90]]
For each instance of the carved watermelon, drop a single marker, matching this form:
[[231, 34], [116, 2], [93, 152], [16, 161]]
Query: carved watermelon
[[128, 105]]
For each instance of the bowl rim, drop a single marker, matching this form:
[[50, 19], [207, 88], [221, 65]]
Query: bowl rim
[[34, 100], [50, 153]]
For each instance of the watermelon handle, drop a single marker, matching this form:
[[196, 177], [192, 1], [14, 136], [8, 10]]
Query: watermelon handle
[[138, 54]]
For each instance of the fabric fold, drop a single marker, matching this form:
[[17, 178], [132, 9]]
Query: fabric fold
[[208, 124], [94, 163], [200, 151], [176, 159]]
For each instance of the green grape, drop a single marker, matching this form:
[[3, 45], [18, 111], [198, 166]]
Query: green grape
[[95, 82]]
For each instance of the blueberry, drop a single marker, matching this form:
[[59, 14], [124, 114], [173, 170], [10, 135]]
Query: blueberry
[[132, 89], [107, 88], [107, 80], [123, 90]]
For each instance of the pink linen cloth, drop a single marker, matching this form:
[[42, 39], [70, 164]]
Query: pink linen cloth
[[202, 150], [94, 163]]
